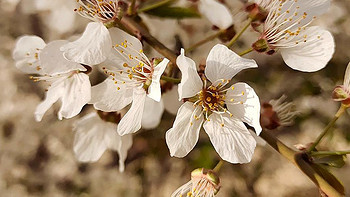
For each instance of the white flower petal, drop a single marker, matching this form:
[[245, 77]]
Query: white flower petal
[[312, 55], [106, 96], [171, 101], [312, 8], [183, 136], [223, 63], [347, 77], [191, 83], [154, 91], [90, 137], [94, 135], [92, 48], [53, 62], [26, 53], [121, 144], [131, 122], [218, 14], [152, 113], [77, 93], [119, 36], [54, 92], [232, 142], [244, 104], [125, 145]]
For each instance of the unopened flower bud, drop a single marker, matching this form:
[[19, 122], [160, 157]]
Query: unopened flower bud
[[342, 93]]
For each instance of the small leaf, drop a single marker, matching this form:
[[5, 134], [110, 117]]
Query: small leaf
[[336, 161], [174, 12], [329, 177]]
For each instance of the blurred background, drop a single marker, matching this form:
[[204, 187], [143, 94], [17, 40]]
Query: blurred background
[[36, 158]]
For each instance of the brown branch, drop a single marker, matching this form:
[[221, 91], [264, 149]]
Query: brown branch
[[136, 29], [298, 159]]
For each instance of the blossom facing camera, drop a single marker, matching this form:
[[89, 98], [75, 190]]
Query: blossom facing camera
[[203, 183], [342, 93], [132, 78], [221, 109], [303, 48], [277, 113], [68, 82]]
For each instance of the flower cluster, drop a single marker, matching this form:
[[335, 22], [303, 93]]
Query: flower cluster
[[134, 93]]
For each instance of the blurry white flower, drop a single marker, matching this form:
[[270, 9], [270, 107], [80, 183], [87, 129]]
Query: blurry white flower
[[303, 48], [277, 113], [203, 183], [68, 83], [94, 136], [132, 78], [223, 109], [58, 15], [217, 13], [342, 93], [94, 46]]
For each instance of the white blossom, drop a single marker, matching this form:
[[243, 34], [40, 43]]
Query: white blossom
[[94, 136], [132, 77], [221, 110], [286, 30], [94, 46], [67, 82]]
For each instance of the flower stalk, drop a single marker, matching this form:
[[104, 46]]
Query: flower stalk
[[154, 6], [170, 79], [205, 40], [328, 127], [329, 153], [246, 52], [218, 166], [298, 159], [239, 34]]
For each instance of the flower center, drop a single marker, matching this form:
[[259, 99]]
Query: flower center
[[101, 10], [135, 68], [212, 99]]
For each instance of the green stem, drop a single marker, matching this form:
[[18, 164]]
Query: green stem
[[153, 6], [238, 35], [330, 153], [209, 38], [170, 79], [218, 166], [131, 9], [328, 128], [246, 52], [298, 160]]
